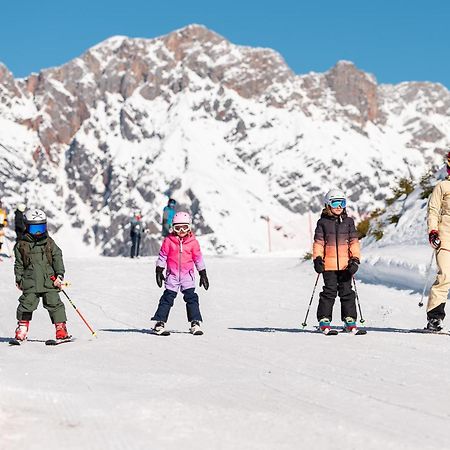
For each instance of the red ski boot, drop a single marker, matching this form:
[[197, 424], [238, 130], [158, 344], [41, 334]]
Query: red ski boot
[[22, 330], [61, 331]]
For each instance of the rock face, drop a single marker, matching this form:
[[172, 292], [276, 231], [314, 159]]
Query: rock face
[[354, 87], [231, 132]]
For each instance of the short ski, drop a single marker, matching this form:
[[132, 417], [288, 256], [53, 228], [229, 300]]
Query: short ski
[[355, 331], [161, 333], [58, 341], [197, 333], [328, 331]]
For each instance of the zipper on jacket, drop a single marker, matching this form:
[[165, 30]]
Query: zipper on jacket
[[337, 246], [179, 259]]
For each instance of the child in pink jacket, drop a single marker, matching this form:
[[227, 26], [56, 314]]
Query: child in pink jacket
[[180, 251]]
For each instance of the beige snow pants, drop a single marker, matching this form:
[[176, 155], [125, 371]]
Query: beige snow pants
[[440, 288]]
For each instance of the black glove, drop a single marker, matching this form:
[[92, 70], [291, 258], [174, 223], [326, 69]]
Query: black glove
[[203, 279], [319, 265], [353, 265], [434, 239], [159, 276]]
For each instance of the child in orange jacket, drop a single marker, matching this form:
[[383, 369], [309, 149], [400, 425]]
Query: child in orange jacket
[[336, 254]]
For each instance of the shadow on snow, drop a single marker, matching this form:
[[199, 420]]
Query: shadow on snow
[[300, 330], [137, 330]]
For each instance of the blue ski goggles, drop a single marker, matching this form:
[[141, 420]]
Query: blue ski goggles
[[339, 202], [36, 229]]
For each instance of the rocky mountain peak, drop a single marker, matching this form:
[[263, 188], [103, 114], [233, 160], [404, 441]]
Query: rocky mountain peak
[[355, 87]]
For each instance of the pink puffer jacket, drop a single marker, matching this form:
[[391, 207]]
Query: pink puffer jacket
[[179, 257]]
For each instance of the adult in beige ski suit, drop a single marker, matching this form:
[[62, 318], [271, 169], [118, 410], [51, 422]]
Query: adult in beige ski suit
[[439, 236]]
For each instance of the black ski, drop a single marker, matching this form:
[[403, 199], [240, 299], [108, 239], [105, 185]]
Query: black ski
[[356, 332], [360, 332], [15, 342], [162, 333], [197, 333], [58, 341], [329, 332]]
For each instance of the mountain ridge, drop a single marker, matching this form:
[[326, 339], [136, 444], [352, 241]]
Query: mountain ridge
[[231, 131]]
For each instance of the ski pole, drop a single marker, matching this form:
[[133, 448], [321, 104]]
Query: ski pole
[[359, 304], [310, 302], [426, 280], [53, 278]]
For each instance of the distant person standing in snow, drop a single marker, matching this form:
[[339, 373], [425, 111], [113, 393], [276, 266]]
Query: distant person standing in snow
[[336, 254], [136, 234], [180, 252], [439, 237], [168, 214], [3, 223], [19, 221]]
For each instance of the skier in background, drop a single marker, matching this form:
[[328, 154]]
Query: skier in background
[[439, 237], [19, 221], [37, 259], [3, 223], [168, 214], [136, 234], [336, 254], [180, 251]]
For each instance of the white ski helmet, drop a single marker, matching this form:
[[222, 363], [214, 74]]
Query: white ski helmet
[[21, 207], [334, 194], [35, 217], [181, 217]]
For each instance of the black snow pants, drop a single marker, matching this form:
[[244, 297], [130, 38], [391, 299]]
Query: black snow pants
[[337, 282], [135, 244]]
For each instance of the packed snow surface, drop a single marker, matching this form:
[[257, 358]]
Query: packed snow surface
[[254, 380]]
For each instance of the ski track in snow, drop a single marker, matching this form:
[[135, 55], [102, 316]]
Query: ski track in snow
[[255, 380]]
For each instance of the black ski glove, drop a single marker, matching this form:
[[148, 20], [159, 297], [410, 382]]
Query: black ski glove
[[434, 239], [319, 265], [159, 276], [203, 279], [353, 265]]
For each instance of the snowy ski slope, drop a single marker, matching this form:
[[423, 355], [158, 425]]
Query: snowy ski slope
[[253, 381]]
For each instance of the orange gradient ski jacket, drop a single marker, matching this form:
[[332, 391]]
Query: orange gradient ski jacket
[[336, 240]]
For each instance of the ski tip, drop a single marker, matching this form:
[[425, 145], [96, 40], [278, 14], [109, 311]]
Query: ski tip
[[58, 341], [330, 332], [164, 333], [360, 332]]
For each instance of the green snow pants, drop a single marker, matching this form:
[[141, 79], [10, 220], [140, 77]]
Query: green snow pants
[[51, 301]]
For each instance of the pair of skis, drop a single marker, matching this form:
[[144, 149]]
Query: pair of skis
[[167, 333], [335, 332], [14, 342]]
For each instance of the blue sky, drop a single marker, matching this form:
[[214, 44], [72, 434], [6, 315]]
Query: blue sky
[[395, 40]]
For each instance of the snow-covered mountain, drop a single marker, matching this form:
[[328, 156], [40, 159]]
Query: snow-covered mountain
[[396, 251], [229, 131]]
